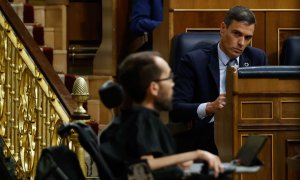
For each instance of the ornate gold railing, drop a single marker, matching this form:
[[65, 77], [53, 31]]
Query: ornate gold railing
[[31, 104]]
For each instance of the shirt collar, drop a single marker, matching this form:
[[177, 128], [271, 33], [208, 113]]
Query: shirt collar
[[223, 57]]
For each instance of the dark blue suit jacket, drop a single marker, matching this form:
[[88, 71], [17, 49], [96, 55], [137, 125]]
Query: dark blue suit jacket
[[146, 15], [197, 80]]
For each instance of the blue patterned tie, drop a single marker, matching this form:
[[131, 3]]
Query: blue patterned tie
[[232, 62]]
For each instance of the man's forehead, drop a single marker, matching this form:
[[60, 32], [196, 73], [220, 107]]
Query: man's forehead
[[243, 27], [235, 23]]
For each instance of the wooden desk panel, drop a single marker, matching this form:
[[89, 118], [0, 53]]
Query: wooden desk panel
[[289, 110], [256, 110], [266, 156], [262, 106], [292, 149]]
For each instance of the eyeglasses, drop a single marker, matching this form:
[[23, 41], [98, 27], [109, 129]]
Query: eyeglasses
[[165, 79]]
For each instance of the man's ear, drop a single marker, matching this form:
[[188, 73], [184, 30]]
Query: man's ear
[[153, 88], [222, 27]]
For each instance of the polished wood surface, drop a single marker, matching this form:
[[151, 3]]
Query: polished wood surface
[[261, 106], [293, 146], [105, 59], [279, 26], [84, 22]]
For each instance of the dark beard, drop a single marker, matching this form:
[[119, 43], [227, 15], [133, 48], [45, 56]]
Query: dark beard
[[162, 105]]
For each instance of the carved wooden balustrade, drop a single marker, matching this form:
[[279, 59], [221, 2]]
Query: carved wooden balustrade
[[33, 100]]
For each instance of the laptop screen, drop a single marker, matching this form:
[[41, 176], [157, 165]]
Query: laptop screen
[[247, 155]]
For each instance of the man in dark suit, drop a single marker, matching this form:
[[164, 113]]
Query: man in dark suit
[[200, 76], [146, 15]]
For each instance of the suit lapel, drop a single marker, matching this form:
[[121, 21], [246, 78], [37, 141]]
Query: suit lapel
[[214, 66], [244, 61]]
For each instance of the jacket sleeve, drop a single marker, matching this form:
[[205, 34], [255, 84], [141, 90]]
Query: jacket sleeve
[[183, 107], [146, 15]]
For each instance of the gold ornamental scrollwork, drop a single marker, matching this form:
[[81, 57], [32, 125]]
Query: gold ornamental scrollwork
[[7, 27], [30, 111], [20, 46]]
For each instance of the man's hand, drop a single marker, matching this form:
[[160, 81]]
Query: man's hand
[[213, 161], [216, 105]]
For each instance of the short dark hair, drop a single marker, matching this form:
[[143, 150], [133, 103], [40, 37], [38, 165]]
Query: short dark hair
[[239, 13], [136, 73]]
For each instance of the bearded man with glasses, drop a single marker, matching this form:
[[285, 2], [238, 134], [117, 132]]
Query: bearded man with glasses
[[139, 133]]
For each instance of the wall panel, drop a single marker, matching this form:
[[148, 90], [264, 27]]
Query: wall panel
[[266, 156], [292, 149], [279, 25]]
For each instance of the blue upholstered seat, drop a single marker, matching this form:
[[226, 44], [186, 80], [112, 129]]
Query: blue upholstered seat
[[269, 72], [291, 51], [188, 41]]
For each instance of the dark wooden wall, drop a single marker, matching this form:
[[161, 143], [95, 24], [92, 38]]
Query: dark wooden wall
[[261, 106], [122, 28], [276, 20], [84, 22]]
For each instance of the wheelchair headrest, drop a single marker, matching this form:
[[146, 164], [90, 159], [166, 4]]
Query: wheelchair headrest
[[111, 94]]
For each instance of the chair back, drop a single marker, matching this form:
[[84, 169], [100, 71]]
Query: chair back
[[189, 41], [291, 51]]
